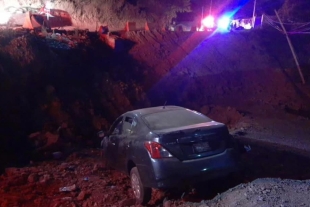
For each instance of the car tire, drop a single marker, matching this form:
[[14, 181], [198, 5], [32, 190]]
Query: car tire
[[142, 194]]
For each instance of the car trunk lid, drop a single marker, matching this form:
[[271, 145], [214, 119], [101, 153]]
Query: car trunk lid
[[195, 141]]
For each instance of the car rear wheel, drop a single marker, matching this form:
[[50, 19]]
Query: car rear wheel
[[142, 194]]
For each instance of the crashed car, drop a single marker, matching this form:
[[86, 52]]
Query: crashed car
[[167, 146]]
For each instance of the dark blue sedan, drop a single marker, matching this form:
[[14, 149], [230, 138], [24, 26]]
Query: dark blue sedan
[[167, 146]]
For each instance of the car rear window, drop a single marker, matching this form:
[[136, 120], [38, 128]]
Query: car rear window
[[174, 118]]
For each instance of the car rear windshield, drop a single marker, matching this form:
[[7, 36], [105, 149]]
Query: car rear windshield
[[174, 118]]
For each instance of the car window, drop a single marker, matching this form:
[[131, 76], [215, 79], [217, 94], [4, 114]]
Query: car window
[[117, 126], [127, 125], [174, 118], [130, 125], [134, 125]]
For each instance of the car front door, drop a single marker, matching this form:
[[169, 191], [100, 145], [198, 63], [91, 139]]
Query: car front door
[[112, 148], [125, 150], [123, 133]]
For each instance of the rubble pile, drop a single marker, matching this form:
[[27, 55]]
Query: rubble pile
[[65, 40], [81, 179]]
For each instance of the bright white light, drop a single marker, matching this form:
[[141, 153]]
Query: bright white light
[[4, 17], [223, 23], [208, 22], [49, 5], [247, 26], [200, 29]]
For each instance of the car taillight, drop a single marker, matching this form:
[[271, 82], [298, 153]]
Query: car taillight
[[156, 150]]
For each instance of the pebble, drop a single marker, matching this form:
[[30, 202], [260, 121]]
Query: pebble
[[81, 196], [128, 202], [33, 177]]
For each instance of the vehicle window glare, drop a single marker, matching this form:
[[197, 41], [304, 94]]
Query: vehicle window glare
[[117, 127], [114, 125], [116, 131], [174, 118], [134, 124], [128, 125]]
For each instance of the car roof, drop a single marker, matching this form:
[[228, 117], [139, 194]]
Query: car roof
[[151, 110]]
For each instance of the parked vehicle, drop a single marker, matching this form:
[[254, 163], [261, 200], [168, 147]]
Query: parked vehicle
[[167, 146], [186, 22]]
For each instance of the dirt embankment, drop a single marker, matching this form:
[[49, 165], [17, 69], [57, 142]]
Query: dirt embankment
[[244, 67], [48, 83], [246, 79]]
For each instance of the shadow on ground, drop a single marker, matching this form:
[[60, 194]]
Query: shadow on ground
[[263, 161]]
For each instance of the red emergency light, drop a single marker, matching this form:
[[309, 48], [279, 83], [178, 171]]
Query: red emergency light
[[208, 22]]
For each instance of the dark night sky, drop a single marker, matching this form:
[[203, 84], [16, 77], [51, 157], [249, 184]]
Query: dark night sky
[[246, 6]]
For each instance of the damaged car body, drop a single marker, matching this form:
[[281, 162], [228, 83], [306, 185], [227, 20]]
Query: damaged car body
[[165, 147]]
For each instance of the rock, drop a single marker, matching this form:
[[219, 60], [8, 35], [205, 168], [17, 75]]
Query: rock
[[74, 193], [17, 180], [67, 199], [33, 177], [51, 138], [81, 196], [95, 168], [34, 135], [45, 178], [87, 204], [128, 202], [55, 203], [166, 203], [12, 171], [68, 188]]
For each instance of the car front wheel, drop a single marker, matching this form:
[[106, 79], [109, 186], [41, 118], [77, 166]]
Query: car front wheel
[[142, 194]]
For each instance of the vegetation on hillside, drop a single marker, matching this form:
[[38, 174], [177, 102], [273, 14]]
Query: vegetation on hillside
[[115, 12], [295, 11]]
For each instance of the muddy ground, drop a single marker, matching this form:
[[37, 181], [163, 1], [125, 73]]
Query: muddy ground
[[71, 86], [92, 184]]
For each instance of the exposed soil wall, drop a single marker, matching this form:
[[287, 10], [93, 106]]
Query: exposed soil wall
[[236, 69]]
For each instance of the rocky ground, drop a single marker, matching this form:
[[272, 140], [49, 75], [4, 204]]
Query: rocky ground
[[82, 179]]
